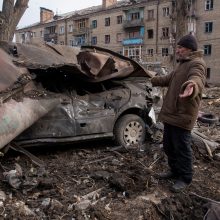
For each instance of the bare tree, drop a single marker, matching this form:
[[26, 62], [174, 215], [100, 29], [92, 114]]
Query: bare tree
[[11, 13], [180, 15], [182, 12]]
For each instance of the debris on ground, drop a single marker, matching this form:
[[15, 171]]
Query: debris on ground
[[96, 180]]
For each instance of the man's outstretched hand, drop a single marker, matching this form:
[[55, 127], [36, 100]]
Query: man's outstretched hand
[[187, 91]]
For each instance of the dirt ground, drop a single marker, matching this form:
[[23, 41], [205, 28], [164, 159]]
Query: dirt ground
[[97, 180]]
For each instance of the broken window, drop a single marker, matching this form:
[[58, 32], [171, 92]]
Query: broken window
[[51, 30], [165, 52], [135, 16], [62, 30], [166, 12], [107, 21], [208, 27], [81, 23], [94, 40], [209, 5], [150, 15], [119, 19], [70, 28], [208, 73], [41, 33], [72, 43], [165, 33], [34, 34], [80, 40], [150, 52], [207, 49], [119, 37], [150, 33], [94, 24], [134, 34], [107, 39], [133, 52]]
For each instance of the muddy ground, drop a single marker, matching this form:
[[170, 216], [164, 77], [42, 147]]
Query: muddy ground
[[96, 180]]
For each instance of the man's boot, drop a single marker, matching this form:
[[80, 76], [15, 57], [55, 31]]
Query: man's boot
[[166, 175], [179, 186]]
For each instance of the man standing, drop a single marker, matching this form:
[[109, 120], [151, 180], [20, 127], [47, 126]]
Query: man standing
[[180, 109]]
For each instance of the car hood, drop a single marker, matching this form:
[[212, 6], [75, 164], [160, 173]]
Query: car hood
[[91, 63]]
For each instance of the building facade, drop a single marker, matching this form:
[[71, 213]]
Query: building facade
[[144, 30]]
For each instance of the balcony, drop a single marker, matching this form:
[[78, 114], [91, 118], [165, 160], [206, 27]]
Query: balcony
[[50, 37], [133, 23], [79, 31], [132, 41]]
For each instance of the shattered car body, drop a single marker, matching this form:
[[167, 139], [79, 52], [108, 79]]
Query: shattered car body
[[86, 94]]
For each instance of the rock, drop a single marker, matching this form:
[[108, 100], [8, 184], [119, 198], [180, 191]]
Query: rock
[[2, 196], [13, 178], [217, 157], [55, 204], [24, 209], [46, 202], [83, 205]]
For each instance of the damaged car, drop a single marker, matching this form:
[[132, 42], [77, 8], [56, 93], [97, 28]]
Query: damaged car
[[73, 94]]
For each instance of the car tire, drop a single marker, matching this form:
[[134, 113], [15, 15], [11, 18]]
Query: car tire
[[208, 118], [130, 130]]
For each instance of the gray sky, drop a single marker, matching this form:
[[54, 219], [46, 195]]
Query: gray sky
[[32, 14]]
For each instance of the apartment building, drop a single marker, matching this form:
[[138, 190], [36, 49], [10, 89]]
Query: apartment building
[[208, 34], [144, 30]]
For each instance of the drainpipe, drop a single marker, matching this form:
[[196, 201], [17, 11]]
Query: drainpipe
[[157, 26], [66, 32]]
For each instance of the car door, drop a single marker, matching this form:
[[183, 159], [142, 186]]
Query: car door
[[58, 123], [92, 115]]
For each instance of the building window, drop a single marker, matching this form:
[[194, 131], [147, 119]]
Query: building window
[[81, 23], [70, 28], [107, 21], [150, 15], [94, 40], [209, 5], [119, 37], [150, 33], [165, 33], [134, 34], [135, 16], [166, 12], [72, 43], [164, 52], [107, 39], [80, 40], [208, 70], [150, 52], [62, 30], [61, 42], [133, 52], [41, 33], [94, 24], [119, 19], [51, 30], [33, 34], [207, 49], [208, 27]]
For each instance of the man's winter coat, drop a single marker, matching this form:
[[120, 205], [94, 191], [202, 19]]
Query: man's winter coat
[[177, 111]]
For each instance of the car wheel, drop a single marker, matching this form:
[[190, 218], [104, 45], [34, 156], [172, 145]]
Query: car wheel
[[130, 130]]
